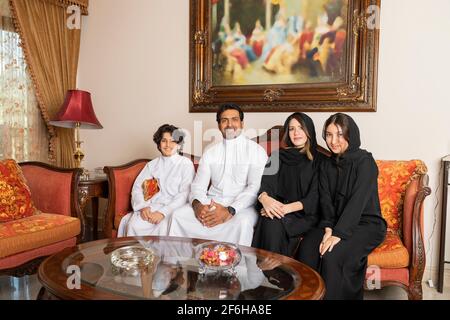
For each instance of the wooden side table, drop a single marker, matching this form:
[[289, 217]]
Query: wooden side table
[[92, 189], [445, 191]]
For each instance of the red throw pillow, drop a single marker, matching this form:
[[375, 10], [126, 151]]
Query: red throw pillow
[[150, 188], [15, 196]]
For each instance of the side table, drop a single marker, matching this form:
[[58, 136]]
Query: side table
[[445, 191], [91, 189]]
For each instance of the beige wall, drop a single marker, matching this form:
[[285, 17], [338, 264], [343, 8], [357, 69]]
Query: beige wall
[[134, 61]]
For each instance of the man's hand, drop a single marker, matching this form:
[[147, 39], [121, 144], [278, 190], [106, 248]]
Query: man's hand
[[272, 207], [200, 210], [145, 214], [217, 214]]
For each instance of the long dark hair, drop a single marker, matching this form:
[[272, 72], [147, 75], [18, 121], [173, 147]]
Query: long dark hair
[[287, 140], [338, 119]]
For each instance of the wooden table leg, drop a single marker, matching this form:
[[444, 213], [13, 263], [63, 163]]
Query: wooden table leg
[[95, 218]]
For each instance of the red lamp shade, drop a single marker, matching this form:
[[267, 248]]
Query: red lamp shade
[[77, 108]]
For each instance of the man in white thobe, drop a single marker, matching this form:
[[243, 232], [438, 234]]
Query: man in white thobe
[[234, 167]]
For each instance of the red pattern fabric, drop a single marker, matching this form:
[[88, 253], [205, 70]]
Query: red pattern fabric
[[150, 187], [393, 180], [391, 253], [15, 196], [36, 223]]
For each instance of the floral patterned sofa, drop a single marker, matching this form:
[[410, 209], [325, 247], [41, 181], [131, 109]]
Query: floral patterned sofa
[[37, 205], [399, 260]]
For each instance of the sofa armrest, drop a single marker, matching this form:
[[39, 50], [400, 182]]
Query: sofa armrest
[[413, 233], [53, 189], [120, 181]]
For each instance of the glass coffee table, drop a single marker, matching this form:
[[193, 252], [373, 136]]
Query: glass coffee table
[[86, 272]]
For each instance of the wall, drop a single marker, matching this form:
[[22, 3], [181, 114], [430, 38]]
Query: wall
[[134, 61]]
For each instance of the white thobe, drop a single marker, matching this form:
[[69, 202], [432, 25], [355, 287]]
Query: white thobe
[[174, 175], [234, 168]]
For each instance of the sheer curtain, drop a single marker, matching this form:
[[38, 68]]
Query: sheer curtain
[[23, 133]]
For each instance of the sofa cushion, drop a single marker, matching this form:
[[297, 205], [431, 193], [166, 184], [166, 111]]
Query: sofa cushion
[[36, 231], [390, 254], [393, 180], [15, 196]]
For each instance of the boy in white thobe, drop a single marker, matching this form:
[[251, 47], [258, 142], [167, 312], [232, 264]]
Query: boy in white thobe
[[234, 168], [174, 174]]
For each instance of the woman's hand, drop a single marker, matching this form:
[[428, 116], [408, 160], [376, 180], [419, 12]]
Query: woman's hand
[[272, 207], [292, 207], [328, 233], [329, 243]]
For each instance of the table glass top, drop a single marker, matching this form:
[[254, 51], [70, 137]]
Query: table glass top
[[176, 274]]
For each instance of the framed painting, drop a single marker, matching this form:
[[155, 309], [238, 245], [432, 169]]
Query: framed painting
[[284, 55]]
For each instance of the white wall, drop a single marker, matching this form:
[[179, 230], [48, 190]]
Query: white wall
[[134, 61]]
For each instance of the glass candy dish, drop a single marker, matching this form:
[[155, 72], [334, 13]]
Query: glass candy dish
[[132, 257], [217, 256]]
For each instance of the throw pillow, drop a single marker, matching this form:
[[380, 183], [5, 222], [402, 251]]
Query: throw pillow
[[15, 196]]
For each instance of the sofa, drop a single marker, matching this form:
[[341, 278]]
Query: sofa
[[403, 187], [53, 223]]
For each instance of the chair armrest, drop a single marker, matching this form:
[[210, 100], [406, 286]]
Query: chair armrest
[[120, 182], [413, 226]]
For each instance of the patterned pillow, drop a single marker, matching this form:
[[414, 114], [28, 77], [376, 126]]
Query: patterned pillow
[[150, 188], [393, 180], [15, 196]]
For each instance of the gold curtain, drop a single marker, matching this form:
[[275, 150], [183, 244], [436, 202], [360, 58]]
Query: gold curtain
[[23, 134], [51, 51]]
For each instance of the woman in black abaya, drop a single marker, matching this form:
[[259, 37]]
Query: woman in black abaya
[[351, 225], [288, 198]]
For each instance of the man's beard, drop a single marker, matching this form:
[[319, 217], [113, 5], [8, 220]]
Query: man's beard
[[231, 133]]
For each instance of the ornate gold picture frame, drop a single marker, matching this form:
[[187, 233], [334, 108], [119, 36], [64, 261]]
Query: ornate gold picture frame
[[284, 55]]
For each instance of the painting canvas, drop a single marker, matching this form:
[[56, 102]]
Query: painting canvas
[[284, 55], [261, 42]]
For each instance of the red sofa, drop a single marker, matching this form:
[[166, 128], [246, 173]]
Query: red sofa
[[25, 242]]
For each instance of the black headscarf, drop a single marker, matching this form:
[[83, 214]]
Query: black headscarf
[[293, 156], [354, 139]]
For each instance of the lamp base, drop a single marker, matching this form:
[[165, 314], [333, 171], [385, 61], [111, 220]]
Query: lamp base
[[78, 155]]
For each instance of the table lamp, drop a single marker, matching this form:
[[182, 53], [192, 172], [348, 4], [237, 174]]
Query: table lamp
[[77, 112]]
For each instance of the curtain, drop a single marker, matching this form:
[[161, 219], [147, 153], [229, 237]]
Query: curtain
[[23, 134], [51, 50]]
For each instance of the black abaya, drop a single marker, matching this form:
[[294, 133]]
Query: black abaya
[[350, 207], [295, 180]]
